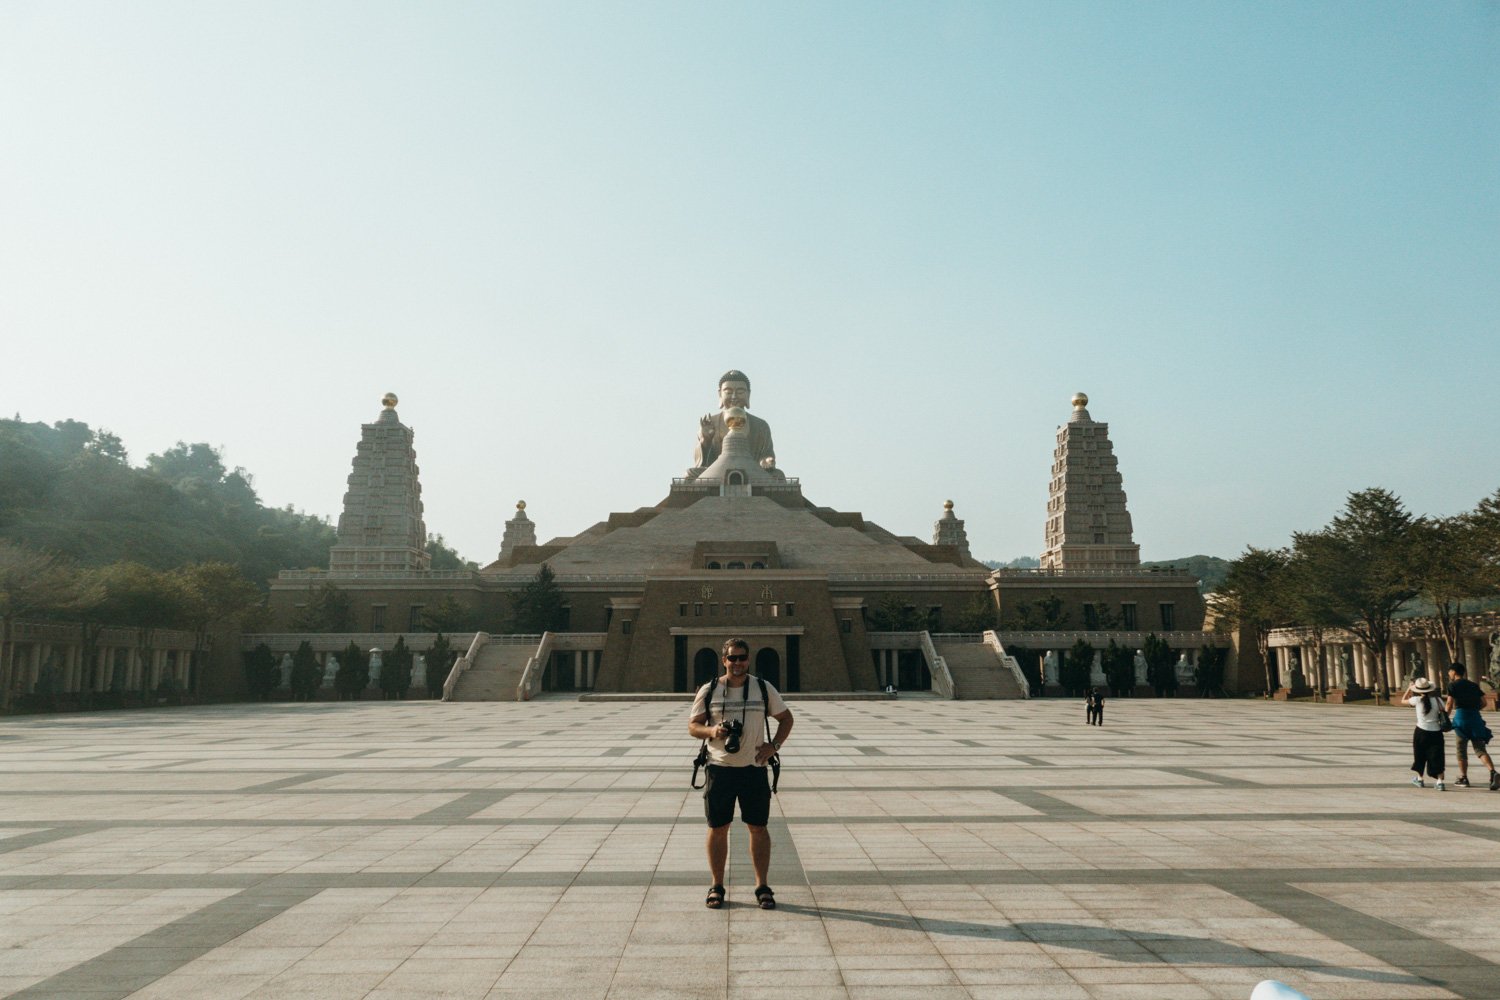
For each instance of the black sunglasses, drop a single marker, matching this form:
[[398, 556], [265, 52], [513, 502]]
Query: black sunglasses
[[738, 659]]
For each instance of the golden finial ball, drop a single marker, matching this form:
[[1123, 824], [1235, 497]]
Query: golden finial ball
[[947, 504], [520, 505], [389, 401], [1080, 400]]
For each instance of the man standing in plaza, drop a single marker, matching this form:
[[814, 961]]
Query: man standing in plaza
[[730, 714], [1464, 700]]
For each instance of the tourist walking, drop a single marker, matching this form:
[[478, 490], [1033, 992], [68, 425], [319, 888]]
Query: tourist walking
[[1464, 699], [1094, 707], [1427, 738], [730, 715]]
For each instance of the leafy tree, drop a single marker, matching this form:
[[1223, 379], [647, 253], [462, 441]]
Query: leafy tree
[[260, 671], [1252, 598], [217, 595], [1364, 560], [1076, 667], [32, 583], [1100, 617], [307, 674], [1448, 568], [448, 614], [1046, 616], [895, 614], [1161, 660], [445, 556], [395, 671], [353, 674], [1308, 601], [538, 606], [440, 657], [1119, 669], [328, 610], [1208, 675], [977, 616]]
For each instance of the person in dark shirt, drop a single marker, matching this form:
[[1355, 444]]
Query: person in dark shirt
[[1464, 701], [1094, 704]]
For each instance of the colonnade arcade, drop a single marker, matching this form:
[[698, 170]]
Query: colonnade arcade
[[1342, 660], [55, 659]]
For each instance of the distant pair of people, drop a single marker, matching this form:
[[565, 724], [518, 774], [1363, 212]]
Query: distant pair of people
[[1463, 705], [1094, 707]]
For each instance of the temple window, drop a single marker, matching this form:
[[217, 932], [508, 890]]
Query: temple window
[[682, 611], [377, 618], [697, 609], [1168, 616], [736, 565]]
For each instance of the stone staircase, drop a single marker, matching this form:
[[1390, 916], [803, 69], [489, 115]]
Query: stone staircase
[[978, 672], [495, 674]]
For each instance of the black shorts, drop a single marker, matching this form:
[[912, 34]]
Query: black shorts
[[725, 786]]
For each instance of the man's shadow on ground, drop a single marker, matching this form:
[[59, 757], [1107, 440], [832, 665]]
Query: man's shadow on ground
[[1138, 946]]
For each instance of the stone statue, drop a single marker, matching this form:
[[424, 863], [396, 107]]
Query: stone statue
[[330, 670], [734, 391], [1140, 668], [1096, 670], [1346, 670], [375, 664], [1416, 667], [1494, 670], [1184, 670], [286, 671], [1050, 668]]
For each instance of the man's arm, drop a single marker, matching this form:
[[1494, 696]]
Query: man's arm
[[765, 751], [699, 729]]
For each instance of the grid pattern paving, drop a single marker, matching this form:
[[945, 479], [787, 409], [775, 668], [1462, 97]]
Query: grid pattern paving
[[986, 850]]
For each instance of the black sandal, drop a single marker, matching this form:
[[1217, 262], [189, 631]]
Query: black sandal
[[715, 897], [765, 897]]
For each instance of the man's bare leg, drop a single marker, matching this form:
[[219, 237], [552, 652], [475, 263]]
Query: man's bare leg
[[760, 852], [718, 852]]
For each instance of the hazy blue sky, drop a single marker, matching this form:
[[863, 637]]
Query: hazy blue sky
[[1264, 238]]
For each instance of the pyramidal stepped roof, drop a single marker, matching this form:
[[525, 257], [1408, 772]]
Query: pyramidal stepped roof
[[1088, 526]]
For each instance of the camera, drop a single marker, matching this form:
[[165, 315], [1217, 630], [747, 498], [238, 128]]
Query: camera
[[732, 739]]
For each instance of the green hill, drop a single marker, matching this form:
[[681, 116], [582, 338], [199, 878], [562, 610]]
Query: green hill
[[70, 489], [1210, 570]]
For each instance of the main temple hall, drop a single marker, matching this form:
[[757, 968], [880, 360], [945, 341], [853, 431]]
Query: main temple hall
[[735, 547]]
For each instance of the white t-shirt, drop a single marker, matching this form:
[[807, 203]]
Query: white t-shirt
[[739, 703], [1427, 720]]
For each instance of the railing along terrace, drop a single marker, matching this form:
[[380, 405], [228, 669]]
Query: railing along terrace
[[463, 663], [1143, 571], [993, 640], [531, 677], [387, 574], [1475, 623], [333, 642], [959, 577], [942, 680], [1058, 640]]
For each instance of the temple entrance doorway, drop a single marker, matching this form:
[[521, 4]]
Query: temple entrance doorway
[[705, 667], [768, 667]]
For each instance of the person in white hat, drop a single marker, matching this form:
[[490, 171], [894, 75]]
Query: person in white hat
[[1427, 738]]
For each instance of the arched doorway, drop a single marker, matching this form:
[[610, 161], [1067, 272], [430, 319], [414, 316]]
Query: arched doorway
[[768, 667], [705, 667]]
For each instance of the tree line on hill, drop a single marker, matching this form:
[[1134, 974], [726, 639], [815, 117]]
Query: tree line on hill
[[1374, 562], [179, 542]]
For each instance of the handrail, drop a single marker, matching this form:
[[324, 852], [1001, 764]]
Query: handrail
[[993, 640], [1066, 637], [942, 680], [463, 663], [531, 677]]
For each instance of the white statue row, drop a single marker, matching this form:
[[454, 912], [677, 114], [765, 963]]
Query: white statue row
[[372, 676], [1052, 669]]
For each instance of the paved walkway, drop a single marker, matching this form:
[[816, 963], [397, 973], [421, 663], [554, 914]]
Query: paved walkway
[[937, 849]]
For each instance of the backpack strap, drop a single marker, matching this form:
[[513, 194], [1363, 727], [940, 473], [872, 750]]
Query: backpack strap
[[701, 761], [765, 716]]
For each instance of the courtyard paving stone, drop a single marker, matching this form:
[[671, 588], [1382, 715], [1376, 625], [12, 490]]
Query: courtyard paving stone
[[1188, 849]]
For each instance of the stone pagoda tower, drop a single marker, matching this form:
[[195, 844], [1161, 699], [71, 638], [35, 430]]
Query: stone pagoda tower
[[381, 529], [519, 530], [1088, 527], [949, 530]]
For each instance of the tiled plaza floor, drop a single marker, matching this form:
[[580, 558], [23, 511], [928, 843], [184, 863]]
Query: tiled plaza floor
[[986, 850]]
